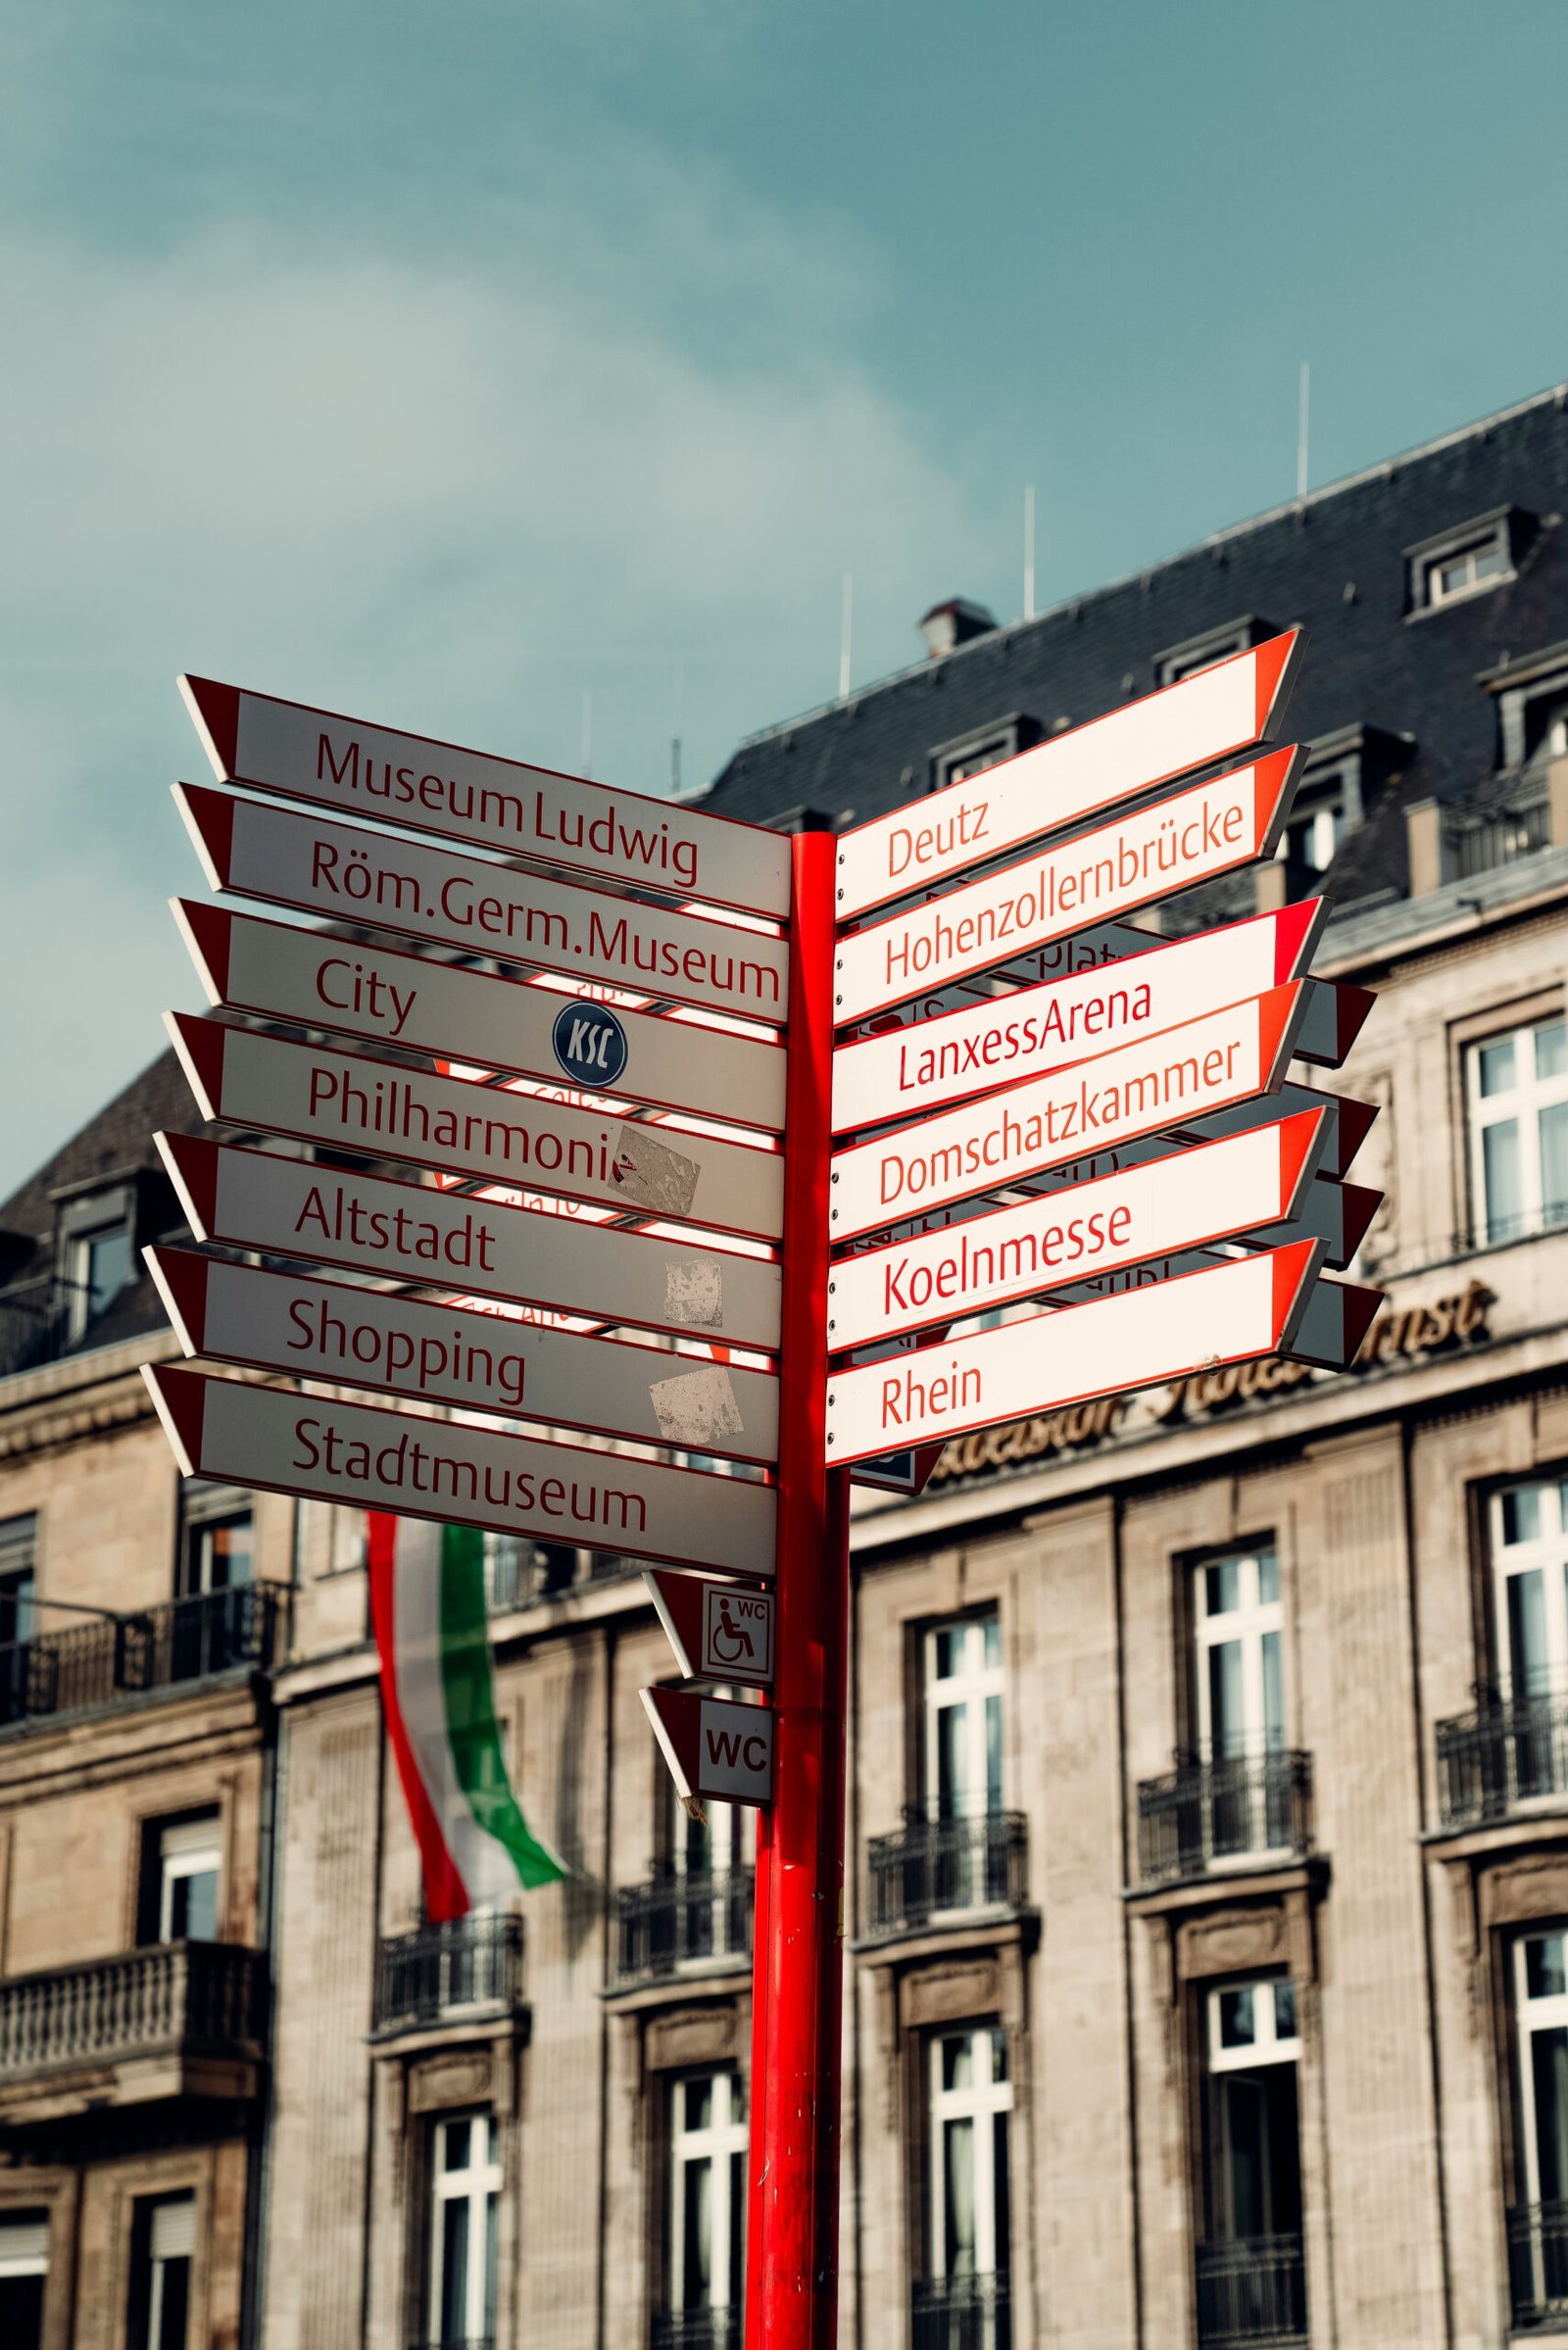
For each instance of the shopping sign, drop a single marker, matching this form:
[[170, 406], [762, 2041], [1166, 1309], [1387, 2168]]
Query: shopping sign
[[353, 989], [715, 1748], [384, 776], [1205, 717], [718, 1630], [476, 907]]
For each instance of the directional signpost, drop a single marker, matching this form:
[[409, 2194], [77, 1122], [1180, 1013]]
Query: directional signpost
[[850, 1094]]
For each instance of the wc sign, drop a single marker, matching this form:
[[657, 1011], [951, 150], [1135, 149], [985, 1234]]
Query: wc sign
[[590, 1043], [719, 1630], [713, 1745]]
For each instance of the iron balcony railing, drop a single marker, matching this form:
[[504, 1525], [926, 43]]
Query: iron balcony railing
[[473, 1963], [1205, 1815], [678, 1918], [1538, 2267], [202, 1997], [1510, 1750], [1481, 844], [1252, 2294], [697, 2329], [159, 1647], [961, 2313], [932, 1865]]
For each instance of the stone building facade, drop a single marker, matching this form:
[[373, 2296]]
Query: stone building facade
[[1206, 1931]]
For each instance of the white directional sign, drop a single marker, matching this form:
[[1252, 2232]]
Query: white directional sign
[[362, 770], [1126, 864], [447, 900], [714, 1749], [406, 1232], [323, 1450], [453, 1354], [984, 1145], [1088, 1233], [1350, 1122], [718, 1630], [1249, 1307], [387, 1110], [292, 974], [1001, 1040], [1205, 717]]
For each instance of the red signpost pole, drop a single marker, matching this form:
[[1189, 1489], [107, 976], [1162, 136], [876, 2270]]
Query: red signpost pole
[[792, 2255]]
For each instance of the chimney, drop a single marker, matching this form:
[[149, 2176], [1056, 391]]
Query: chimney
[[954, 624]]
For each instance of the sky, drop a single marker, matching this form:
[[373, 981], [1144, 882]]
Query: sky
[[532, 375]]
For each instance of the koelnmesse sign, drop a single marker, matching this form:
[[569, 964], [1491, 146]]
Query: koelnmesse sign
[[1409, 1331]]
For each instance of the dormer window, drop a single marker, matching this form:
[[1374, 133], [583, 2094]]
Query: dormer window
[[1313, 833], [1532, 696], [102, 1268], [1465, 562], [1203, 652], [971, 753], [95, 1251]]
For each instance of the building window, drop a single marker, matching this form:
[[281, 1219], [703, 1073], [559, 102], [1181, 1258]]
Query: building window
[[219, 1549], [1316, 825], [19, 1587], [1251, 2274], [163, 2240], [1465, 562], [1204, 652], [963, 1683], [1238, 1631], [23, 2274], [971, 2098], [706, 2193], [1517, 1090], [1538, 2235], [1530, 1565], [99, 1266], [465, 2192], [182, 1870], [972, 753]]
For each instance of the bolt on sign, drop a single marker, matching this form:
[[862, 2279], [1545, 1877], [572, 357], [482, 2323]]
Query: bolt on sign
[[564, 1255]]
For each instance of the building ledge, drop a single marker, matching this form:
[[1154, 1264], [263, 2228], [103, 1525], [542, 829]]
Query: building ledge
[[993, 1928], [1267, 1882], [463, 2028], [696, 1979], [1471, 1839]]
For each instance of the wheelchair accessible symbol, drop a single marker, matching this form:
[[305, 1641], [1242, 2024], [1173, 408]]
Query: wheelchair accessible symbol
[[590, 1043], [737, 1633]]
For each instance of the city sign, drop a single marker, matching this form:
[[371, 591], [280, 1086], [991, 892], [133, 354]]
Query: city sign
[[718, 1630], [451, 1240], [1139, 1089], [389, 777], [1250, 1305], [1205, 717], [385, 1109], [454, 1354], [715, 1748], [1087, 1233], [287, 973], [1138, 858], [444, 899], [322, 1448], [1001, 1040]]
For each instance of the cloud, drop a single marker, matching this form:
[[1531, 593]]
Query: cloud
[[454, 494]]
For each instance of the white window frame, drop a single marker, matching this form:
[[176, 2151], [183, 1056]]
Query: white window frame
[[1270, 2046], [715, 2145], [1248, 1624], [475, 2185], [1199, 653], [1470, 551], [1547, 2014], [1522, 1103], [189, 1848], [78, 1272], [985, 2096], [1319, 812], [1545, 1552], [970, 1687], [168, 2215], [203, 1521]]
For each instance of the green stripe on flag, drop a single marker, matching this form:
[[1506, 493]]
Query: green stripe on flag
[[468, 1687]]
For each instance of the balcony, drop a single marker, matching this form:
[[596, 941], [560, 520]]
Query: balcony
[[175, 2020], [1481, 840], [961, 2313], [677, 1921], [462, 1971], [1510, 1751], [697, 2329], [1209, 1816], [932, 1868], [1538, 2268], [97, 1664], [1252, 2294]]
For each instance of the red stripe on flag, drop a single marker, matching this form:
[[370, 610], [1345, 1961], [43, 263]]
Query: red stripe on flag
[[445, 1894]]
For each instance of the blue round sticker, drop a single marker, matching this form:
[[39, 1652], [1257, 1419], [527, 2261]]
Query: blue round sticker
[[590, 1043]]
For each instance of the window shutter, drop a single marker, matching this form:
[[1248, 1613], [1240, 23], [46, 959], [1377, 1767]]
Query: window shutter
[[173, 2229]]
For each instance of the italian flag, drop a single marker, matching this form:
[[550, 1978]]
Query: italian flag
[[427, 1602]]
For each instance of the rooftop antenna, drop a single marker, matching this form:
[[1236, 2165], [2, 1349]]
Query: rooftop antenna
[[1029, 550], [1300, 429], [587, 730], [845, 622]]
